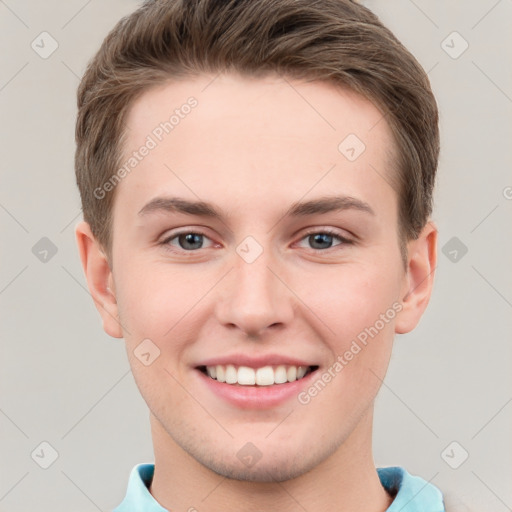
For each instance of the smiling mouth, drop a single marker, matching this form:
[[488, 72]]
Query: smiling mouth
[[264, 376]]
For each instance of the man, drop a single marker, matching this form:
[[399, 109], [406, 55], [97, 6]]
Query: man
[[256, 180]]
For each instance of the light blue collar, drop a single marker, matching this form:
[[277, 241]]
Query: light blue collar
[[413, 494]]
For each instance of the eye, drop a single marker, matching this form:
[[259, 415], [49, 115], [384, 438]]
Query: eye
[[321, 240], [190, 241], [186, 240]]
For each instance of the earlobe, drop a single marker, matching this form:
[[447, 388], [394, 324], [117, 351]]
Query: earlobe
[[419, 279], [99, 278]]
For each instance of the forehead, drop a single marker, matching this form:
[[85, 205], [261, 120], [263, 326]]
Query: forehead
[[227, 134]]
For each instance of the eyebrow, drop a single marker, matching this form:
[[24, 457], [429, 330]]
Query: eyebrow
[[321, 205]]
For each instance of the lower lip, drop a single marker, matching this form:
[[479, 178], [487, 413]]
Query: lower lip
[[256, 397]]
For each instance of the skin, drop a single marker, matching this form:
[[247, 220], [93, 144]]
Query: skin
[[267, 148]]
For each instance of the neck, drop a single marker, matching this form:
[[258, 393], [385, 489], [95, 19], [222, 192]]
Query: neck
[[346, 481]]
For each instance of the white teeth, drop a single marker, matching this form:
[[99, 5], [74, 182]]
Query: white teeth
[[231, 374], [221, 373], [246, 376], [264, 376], [280, 376], [291, 373]]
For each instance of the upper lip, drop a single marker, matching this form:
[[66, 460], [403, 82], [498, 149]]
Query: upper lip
[[255, 361]]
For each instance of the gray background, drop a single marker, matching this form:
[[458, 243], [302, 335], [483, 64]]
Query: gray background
[[65, 382]]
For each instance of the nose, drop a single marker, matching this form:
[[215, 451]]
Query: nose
[[254, 297]]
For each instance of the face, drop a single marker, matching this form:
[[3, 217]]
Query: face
[[256, 242]]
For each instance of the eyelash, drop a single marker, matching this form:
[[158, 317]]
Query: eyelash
[[327, 231]]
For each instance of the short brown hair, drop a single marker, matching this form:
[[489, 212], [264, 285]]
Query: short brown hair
[[336, 41]]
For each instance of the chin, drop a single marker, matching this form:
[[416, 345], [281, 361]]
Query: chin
[[279, 469], [263, 462]]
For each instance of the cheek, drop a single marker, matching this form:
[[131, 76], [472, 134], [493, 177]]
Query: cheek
[[151, 303], [353, 299], [358, 310], [159, 306], [154, 309]]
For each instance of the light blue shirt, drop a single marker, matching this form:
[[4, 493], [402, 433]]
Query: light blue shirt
[[412, 493]]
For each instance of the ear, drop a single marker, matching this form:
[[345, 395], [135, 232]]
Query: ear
[[99, 279], [418, 278]]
